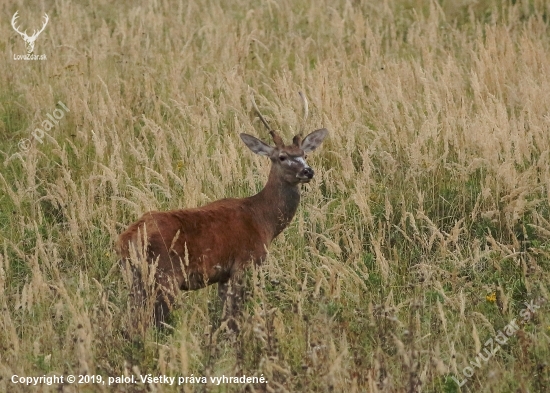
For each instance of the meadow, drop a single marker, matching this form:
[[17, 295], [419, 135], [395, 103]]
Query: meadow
[[423, 235]]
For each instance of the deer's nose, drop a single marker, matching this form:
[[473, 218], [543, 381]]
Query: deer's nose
[[308, 172]]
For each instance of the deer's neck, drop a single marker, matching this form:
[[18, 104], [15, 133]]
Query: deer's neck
[[276, 203]]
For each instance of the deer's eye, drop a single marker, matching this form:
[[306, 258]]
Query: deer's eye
[[282, 158]]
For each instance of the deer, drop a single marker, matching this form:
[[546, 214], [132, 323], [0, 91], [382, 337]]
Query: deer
[[192, 248], [29, 41]]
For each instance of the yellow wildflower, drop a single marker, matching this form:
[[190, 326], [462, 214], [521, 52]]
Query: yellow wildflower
[[492, 297]]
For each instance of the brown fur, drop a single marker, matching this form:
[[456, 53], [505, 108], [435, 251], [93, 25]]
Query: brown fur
[[197, 247]]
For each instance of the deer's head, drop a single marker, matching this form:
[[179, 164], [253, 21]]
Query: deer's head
[[288, 160]]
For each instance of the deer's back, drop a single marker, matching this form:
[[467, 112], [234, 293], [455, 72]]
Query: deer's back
[[207, 243]]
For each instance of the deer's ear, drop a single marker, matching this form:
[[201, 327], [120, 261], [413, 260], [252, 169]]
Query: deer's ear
[[256, 145], [314, 140]]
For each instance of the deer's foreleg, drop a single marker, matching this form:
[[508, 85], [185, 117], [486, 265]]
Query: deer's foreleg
[[231, 293]]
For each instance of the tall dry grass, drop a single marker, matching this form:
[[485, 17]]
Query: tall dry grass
[[425, 231]]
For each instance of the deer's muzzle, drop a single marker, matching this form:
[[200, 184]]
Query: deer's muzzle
[[305, 175]]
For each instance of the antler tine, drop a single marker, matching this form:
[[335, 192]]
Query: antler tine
[[276, 138], [297, 140], [14, 18], [305, 104], [259, 113]]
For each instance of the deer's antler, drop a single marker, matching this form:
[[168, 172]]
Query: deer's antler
[[276, 138], [46, 19], [13, 20], [305, 104], [297, 140], [259, 113]]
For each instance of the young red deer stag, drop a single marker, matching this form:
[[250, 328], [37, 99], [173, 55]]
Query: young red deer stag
[[193, 248]]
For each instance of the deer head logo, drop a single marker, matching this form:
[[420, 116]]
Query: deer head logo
[[29, 41]]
